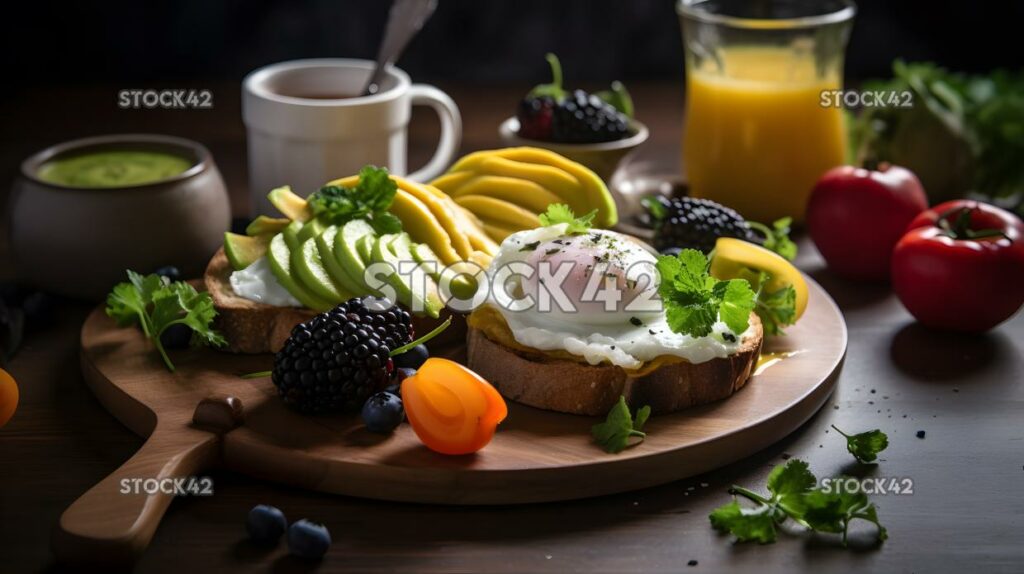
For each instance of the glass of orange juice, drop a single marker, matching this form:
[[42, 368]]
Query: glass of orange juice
[[759, 132]]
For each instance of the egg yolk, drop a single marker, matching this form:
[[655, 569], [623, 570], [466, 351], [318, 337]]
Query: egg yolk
[[452, 409]]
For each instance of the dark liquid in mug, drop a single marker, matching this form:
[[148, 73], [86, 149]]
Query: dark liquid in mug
[[317, 95]]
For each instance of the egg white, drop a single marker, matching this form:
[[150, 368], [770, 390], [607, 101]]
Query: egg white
[[624, 337]]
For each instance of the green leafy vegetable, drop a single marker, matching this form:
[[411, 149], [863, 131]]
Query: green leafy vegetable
[[155, 304], [694, 300], [618, 96], [776, 309], [961, 133], [866, 445], [559, 213], [776, 237], [792, 495], [369, 200], [614, 433]]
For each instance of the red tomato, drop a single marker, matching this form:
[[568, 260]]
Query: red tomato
[[961, 266], [855, 216]]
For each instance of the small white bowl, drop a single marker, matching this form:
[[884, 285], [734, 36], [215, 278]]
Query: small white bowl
[[602, 158]]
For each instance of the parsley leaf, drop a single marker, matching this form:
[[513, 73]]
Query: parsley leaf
[[775, 308], [793, 496], [694, 300], [369, 200], [776, 237], [792, 478], [614, 433], [866, 445], [561, 213], [746, 524], [156, 304]]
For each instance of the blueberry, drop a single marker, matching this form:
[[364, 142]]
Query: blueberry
[[672, 251], [176, 336], [265, 524], [383, 412], [169, 271], [308, 540], [413, 358]]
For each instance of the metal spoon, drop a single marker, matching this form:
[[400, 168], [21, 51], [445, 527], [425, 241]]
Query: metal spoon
[[404, 21]]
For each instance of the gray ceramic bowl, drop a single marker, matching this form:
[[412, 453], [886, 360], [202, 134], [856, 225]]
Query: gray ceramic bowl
[[78, 242], [602, 158]]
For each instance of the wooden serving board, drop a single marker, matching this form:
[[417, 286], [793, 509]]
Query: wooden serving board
[[536, 455]]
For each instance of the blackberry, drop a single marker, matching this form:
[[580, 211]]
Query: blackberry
[[586, 118], [550, 113], [338, 359], [534, 114], [687, 222]]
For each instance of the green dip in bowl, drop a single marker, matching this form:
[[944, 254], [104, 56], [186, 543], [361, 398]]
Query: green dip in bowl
[[107, 169]]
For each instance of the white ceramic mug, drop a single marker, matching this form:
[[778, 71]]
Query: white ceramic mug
[[302, 134]]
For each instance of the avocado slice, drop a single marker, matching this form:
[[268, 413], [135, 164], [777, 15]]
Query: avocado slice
[[346, 249], [462, 286], [308, 269], [341, 275], [264, 225], [279, 256], [311, 229], [403, 284], [290, 205], [242, 250]]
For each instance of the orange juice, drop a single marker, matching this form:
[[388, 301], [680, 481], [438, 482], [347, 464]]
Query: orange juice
[[757, 138]]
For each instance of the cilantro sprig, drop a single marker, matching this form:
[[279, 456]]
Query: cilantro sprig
[[369, 200], [558, 213], [694, 300], [776, 309], [155, 304], [793, 495], [865, 446], [619, 427], [776, 237]]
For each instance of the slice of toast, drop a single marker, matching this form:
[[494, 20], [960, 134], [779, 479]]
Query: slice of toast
[[249, 327], [567, 386], [252, 327]]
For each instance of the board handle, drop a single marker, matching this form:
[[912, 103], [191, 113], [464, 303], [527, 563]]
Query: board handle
[[115, 520]]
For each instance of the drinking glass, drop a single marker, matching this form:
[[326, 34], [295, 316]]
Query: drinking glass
[[760, 125]]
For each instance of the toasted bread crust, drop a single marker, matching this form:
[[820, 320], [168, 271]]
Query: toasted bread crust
[[584, 389], [249, 327], [252, 327]]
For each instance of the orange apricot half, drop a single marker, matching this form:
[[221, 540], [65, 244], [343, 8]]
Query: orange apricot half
[[452, 409], [8, 397]]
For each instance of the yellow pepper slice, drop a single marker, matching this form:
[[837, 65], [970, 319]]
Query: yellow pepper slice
[[735, 258]]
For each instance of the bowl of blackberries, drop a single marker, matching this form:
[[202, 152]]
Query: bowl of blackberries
[[595, 129]]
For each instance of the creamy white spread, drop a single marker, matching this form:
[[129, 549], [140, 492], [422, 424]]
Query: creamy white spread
[[257, 283]]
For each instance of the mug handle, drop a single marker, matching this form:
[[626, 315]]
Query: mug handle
[[451, 129]]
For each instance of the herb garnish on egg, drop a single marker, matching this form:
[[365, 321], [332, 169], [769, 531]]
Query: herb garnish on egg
[[694, 300]]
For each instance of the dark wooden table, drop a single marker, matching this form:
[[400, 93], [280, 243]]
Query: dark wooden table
[[966, 393]]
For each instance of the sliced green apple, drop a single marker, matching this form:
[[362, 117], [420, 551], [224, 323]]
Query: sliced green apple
[[279, 256], [308, 269], [346, 249], [340, 274], [291, 234], [406, 286]]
